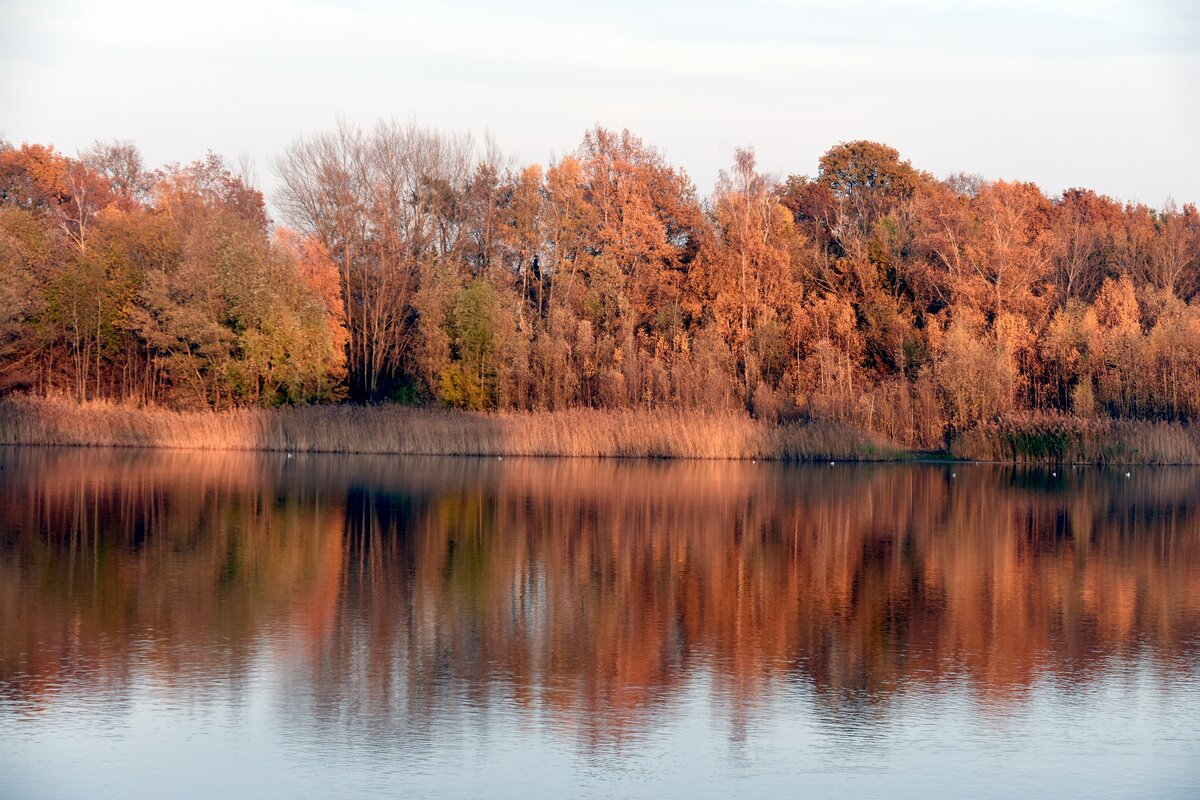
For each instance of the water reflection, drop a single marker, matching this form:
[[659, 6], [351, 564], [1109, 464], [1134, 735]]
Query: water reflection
[[409, 600]]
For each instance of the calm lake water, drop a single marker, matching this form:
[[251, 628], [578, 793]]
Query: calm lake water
[[178, 625]]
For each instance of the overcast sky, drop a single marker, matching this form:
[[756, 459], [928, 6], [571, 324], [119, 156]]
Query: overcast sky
[[1097, 93]]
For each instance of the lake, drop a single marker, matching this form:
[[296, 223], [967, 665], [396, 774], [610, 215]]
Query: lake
[[178, 625]]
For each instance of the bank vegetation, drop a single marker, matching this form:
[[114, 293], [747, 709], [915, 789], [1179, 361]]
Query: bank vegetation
[[396, 429], [599, 294]]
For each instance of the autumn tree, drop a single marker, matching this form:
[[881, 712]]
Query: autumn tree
[[417, 267], [1119, 348], [227, 315], [747, 272], [869, 178], [974, 372], [1081, 242], [383, 203]]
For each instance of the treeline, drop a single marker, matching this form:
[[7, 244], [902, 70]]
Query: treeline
[[164, 287], [417, 270]]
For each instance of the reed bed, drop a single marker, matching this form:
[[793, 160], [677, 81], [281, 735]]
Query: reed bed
[[1063, 439], [412, 431]]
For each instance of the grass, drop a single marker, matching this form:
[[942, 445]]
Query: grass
[[402, 430], [390, 429], [1063, 439]]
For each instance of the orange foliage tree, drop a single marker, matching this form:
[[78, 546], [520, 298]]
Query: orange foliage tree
[[424, 269]]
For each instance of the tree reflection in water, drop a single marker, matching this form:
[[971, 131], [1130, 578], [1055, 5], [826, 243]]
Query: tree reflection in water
[[403, 594]]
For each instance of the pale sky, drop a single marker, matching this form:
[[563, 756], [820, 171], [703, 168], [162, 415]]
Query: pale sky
[[1096, 93]]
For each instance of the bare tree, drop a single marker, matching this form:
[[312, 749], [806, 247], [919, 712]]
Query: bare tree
[[384, 203]]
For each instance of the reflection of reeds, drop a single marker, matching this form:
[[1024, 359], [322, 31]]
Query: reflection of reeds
[[1061, 439], [396, 429]]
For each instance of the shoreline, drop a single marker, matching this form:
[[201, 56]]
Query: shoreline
[[577, 433]]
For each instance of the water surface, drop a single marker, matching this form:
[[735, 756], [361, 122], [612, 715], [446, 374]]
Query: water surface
[[252, 625]]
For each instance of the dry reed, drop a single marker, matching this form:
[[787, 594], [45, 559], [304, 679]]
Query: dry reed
[[402, 430], [1063, 439]]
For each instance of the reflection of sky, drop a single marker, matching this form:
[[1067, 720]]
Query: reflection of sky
[[1066, 93], [1126, 735]]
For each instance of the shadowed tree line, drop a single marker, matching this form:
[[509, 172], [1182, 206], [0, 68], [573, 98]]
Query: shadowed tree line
[[421, 268]]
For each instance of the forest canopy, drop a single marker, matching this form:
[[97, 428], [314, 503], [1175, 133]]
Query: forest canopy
[[410, 266]]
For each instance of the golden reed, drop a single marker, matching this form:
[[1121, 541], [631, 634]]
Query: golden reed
[[624, 433], [1041, 438], [411, 431]]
